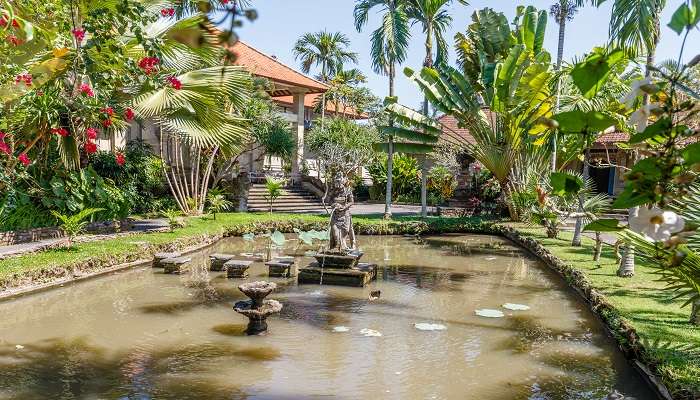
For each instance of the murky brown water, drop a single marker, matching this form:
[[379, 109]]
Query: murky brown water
[[140, 334]]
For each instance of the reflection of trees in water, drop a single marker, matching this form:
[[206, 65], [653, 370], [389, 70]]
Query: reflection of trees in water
[[72, 369], [429, 278]]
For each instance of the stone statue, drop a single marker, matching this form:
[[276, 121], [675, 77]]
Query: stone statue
[[342, 233]]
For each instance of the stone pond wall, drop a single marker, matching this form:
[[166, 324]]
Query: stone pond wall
[[36, 234]]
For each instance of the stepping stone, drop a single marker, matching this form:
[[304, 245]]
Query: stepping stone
[[237, 268], [174, 265], [159, 257], [280, 269], [217, 261], [284, 259]]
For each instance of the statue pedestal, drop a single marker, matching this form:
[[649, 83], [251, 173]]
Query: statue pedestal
[[338, 259], [358, 276]]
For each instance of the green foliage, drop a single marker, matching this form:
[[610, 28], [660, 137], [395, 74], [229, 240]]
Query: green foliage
[[274, 189], [441, 183], [591, 74], [343, 133], [218, 203], [74, 225], [269, 129], [328, 50], [174, 217], [141, 177], [564, 184]]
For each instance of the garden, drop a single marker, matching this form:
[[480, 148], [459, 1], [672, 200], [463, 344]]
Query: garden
[[552, 250]]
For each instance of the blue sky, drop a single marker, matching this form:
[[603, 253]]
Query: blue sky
[[282, 22]]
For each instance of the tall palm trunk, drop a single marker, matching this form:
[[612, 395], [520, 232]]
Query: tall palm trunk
[[578, 229], [390, 155], [626, 267], [424, 164], [323, 97], [563, 13], [695, 314]]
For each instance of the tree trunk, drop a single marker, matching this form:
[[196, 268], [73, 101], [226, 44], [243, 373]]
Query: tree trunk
[[626, 268], [390, 161], [695, 313], [424, 188], [598, 246], [426, 110], [578, 229]]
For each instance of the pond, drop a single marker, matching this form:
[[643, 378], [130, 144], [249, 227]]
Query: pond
[[141, 334]]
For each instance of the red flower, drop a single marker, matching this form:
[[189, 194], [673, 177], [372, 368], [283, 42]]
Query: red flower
[[91, 133], [14, 40], [4, 147], [129, 114], [149, 64], [174, 82], [86, 90], [167, 12], [78, 34], [24, 159], [108, 110], [90, 147], [25, 77], [120, 159], [60, 131], [3, 20], [224, 2], [107, 123]]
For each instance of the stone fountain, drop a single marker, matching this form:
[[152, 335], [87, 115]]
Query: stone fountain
[[257, 309], [339, 264]]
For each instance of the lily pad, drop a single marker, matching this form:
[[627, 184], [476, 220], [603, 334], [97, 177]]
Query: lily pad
[[249, 237], [341, 329], [489, 313], [490, 258], [278, 238], [370, 333], [516, 307], [425, 326]]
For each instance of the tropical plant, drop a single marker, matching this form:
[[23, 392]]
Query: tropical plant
[[174, 218], [327, 50], [389, 48], [274, 188], [218, 203], [512, 77], [74, 225], [441, 183]]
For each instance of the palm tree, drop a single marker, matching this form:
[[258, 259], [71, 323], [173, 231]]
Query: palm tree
[[327, 50], [562, 12], [389, 47], [635, 26], [434, 19]]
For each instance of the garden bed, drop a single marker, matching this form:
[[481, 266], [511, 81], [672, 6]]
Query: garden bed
[[649, 326]]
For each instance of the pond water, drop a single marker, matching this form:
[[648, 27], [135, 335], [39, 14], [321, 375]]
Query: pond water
[[141, 334]]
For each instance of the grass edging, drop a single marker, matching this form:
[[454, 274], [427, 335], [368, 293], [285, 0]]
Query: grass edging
[[626, 336]]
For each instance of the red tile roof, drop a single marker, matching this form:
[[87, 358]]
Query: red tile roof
[[310, 101], [265, 66]]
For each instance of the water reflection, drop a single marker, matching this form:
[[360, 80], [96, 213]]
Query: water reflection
[[141, 334]]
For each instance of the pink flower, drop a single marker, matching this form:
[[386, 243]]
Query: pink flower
[[149, 64], [14, 40], [91, 133], [107, 123], [174, 82], [86, 90], [3, 20], [129, 114], [167, 12], [25, 77], [4, 147], [78, 34], [24, 159], [90, 147], [108, 110], [120, 159], [224, 2]]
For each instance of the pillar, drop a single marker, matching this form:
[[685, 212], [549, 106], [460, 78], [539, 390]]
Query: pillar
[[298, 131]]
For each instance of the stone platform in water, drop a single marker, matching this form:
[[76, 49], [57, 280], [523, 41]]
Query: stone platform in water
[[358, 276], [217, 261], [159, 257], [174, 265], [337, 259], [237, 268], [281, 269]]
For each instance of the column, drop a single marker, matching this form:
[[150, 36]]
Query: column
[[298, 131]]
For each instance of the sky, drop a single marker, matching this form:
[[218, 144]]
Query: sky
[[281, 22]]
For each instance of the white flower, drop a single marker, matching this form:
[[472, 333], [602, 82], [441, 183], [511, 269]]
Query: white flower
[[656, 224], [635, 91], [640, 117]]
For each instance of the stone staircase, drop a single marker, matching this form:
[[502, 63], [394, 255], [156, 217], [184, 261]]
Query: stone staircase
[[295, 199]]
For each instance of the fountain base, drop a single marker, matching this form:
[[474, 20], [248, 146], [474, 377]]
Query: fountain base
[[257, 317], [358, 276]]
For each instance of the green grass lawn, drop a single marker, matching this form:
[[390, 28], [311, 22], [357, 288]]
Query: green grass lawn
[[644, 303]]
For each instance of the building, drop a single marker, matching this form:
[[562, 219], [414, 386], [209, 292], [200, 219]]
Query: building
[[296, 95]]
